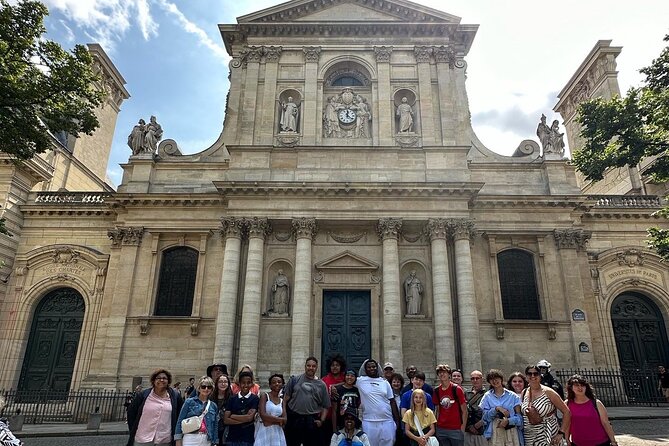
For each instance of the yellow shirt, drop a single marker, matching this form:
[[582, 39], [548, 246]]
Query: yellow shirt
[[426, 418]]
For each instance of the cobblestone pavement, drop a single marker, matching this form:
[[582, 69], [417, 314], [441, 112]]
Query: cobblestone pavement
[[641, 432]]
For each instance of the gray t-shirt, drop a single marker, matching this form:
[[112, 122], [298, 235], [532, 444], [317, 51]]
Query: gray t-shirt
[[307, 396]]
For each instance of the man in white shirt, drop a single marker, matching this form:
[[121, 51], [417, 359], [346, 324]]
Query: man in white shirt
[[379, 411]]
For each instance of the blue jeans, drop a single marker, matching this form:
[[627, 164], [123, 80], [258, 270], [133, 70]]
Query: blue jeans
[[450, 437]]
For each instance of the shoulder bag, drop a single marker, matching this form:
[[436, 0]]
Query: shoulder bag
[[431, 441], [192, 424], [533, 415]]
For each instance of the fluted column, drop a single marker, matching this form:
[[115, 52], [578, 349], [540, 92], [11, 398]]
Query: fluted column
[[389, 230], [463, 230], [437, 229], [224, 342], [304, 229], [258, 229]]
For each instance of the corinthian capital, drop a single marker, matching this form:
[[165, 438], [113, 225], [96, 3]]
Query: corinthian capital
[[312, 53], [272, 53], [389, 228], [571, 238], [462, 228], [252, 53], [444, 54], [383, 53], [437, 228], [422, 53], [232, 227], [126, 235], [304, 227], [257, 227]]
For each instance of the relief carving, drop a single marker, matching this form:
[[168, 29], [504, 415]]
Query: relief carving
[[347, 115], [630, 257]]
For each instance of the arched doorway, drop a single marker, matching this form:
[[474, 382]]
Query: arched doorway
[[52, 346], [640, 332]]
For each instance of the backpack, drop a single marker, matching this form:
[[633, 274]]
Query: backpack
[[454, 389]]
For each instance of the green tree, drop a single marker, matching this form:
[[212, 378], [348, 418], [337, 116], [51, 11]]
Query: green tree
[[43, 88], [623, 131]]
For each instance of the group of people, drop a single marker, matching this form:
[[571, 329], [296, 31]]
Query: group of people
[[372, 406]]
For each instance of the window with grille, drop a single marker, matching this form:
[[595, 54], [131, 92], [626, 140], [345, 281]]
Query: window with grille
[[517, 282], [176, 283], [347, 81]]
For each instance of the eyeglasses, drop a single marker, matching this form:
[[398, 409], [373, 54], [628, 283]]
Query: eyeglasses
[[206, 387], [533, 373]]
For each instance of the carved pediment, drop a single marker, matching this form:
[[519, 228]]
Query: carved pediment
[[347, 261], [349, 10]]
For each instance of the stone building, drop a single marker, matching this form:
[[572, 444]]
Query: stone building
[[347, 207]]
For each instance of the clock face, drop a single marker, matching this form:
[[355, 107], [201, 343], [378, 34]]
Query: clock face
[[347, 116]]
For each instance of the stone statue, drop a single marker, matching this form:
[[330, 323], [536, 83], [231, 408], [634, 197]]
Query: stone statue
[[330, 120], [154, 132], [544, 133], [405, 113], [289, 116], [280, 294], [556, 138], [363, 118], [136, 137], [413, 291]]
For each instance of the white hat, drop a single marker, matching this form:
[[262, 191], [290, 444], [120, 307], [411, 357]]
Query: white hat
[[544, 363]]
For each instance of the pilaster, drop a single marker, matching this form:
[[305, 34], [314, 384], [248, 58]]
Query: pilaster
[[308, 127], [389, 230], [304, 230], [444, 57], [384, 116], [423, 54], [252, 57], [269, 118]]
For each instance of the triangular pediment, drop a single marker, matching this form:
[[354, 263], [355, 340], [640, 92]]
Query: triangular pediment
[[347, 261], [349, 11]]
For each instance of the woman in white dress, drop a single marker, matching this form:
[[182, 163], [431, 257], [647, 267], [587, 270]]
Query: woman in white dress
[[272, 409]]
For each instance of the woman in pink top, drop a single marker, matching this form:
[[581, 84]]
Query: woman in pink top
[[589, 421]]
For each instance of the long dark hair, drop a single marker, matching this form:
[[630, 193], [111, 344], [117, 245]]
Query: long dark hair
[[227, 393], [521, 376], [582, 381]]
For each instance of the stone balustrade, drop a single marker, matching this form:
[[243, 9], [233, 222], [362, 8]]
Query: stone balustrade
[[626, 201], [71, 197]]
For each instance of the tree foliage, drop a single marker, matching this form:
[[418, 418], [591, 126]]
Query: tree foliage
[[43, 88], [623, 131]]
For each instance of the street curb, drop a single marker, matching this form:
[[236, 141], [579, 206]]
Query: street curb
[[91, 433], [646, 417]]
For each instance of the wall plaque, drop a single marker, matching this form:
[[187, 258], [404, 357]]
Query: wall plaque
[[583, 347], [577, 315]]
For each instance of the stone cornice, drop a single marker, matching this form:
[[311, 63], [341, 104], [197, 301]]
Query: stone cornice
[[342, 189], [161, 200], [532, 201]]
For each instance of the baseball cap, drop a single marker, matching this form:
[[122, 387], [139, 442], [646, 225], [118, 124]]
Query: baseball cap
[[388, 365]]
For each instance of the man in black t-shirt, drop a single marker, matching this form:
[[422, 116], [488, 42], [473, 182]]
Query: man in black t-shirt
[[663, 383], [349, 398]]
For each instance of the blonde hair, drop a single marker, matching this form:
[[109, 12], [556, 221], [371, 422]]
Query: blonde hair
[[207, 381], [413, 406], [241, 369]]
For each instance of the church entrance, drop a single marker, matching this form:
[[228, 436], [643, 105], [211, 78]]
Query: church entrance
[[52, 346], [640, 332], [346, 327]]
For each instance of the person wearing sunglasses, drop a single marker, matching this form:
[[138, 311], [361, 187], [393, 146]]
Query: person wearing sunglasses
[[589, 420], [539, 406], [196, 406], [152, 413]]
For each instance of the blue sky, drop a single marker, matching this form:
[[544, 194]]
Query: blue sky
[[171, 54]]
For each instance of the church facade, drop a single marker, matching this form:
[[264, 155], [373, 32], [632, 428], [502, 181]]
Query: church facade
[[347, 207]]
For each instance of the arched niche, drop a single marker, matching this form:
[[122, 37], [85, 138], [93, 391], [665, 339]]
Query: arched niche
[[406, 117], [280, 282], [414, 283], [289, 111], [347, 101]]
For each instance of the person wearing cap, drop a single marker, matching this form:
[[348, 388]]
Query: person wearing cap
[[388, 370], [335, 365], [349, 397], [350, 434], [213, 372], [547, 379], [380, 416]]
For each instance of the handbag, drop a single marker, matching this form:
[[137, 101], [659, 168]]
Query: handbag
[[192, 424], [533, 415], [431, 441]]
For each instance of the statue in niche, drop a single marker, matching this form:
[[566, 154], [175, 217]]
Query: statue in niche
[[405, 113], [364, 116], [413, 290], [289, 116], [552, 141], [153, 134], [280, 294], [136, 137]]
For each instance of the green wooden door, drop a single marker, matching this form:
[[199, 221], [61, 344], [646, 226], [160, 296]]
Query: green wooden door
[[346, 326], [52, 346]]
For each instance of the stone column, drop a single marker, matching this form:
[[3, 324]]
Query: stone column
[[250, 93], [269, 116], [308, 124], [445, 58], [425, 94], [119, 293], [258, 229], [437, 229], [569, 243], [385, 117], [224, 342], [389, 231], [304, 229], [463, 230]]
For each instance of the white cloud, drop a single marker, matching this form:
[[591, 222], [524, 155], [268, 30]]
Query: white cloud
[[68, 30], [191, 27]]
